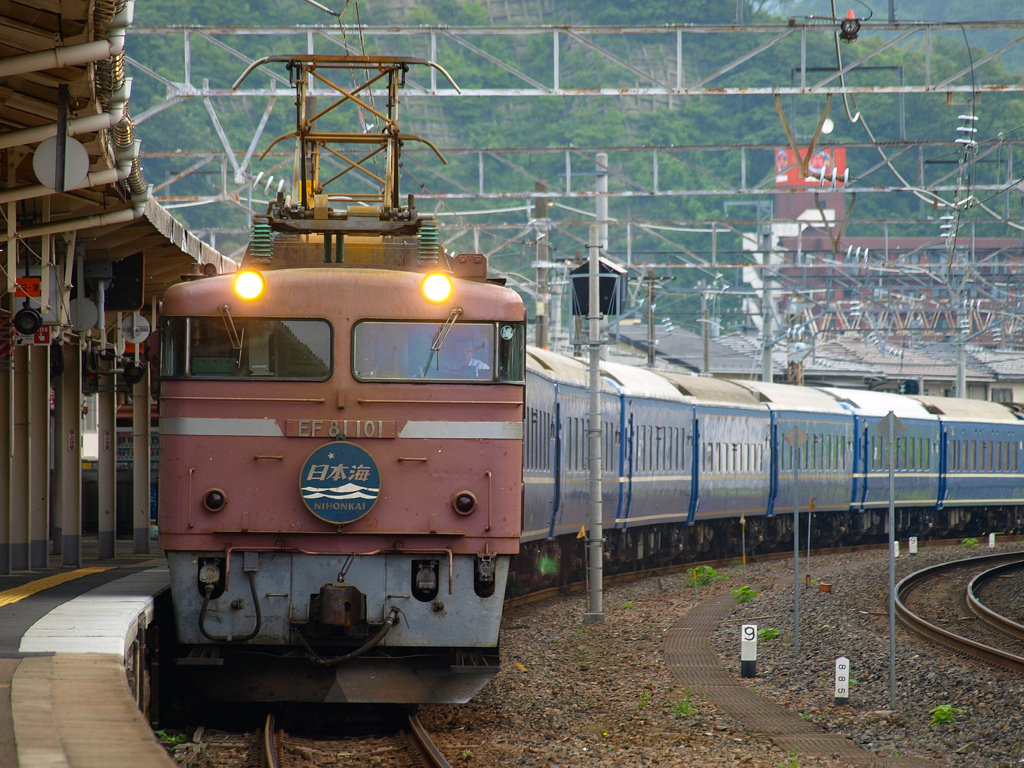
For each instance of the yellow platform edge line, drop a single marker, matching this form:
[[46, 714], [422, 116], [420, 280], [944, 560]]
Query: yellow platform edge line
[[9, 596]]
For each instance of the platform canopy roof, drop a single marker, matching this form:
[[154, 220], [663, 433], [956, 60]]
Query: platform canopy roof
[[62, 77]]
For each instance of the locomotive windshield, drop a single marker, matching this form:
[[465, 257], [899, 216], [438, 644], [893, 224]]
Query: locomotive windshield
[[418, 351], [245, 347]]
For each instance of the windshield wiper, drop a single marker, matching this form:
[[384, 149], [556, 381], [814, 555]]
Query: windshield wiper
[[442, 334]]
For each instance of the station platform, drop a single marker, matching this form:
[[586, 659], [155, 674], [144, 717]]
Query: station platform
[[66, 639]]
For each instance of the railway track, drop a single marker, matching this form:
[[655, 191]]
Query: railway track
[[409, 748], [932, 599]]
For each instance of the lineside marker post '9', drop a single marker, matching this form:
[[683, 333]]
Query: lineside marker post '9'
[[912, 545], [842, 681], [748, 650]]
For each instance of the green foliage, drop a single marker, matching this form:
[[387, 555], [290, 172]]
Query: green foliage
[[684, 706], [645, 700], [171, 739], [628, 604], [703, 575], [969, 543], [944, 713], [579, 121], [768, 633], [744, 594]]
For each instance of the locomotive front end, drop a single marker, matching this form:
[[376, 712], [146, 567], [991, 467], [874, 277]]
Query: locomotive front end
[[341, 459], [341, 478]]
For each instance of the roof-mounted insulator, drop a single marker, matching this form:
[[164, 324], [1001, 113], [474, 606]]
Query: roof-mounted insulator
[[430, 244], [261, 242]]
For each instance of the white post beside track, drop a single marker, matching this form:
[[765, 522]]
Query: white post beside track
[[912, 545], [748, 650], [842, 681]]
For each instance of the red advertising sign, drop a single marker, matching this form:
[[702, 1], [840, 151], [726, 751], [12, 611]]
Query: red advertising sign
[[106, 443], [72, 440], [827, 162]]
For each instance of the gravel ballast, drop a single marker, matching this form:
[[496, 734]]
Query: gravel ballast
[[571, 694]]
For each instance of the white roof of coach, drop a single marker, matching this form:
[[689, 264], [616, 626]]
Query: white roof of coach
[[565, 370], [788, 397], [641, 382], [966, 409], [705, 389], [880, 403]]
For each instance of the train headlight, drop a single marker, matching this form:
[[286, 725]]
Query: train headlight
[[437, 287], [249, 284], [463, 502]]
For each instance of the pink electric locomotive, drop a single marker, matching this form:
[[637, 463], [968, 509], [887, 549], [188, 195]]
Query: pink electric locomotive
[[341, 442]]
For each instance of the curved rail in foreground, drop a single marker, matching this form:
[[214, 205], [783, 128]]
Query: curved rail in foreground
[[951, 640], [427, 749], [995, 620], [269, 747]]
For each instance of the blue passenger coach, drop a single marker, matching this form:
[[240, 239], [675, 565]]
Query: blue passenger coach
[[824, 462], [981, 459], [685, 458]]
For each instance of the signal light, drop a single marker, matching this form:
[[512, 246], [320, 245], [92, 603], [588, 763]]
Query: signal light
[[437, 287], [249, 284], [27, 320], [849, 27]]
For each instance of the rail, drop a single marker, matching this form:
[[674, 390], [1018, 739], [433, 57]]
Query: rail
[[958, 643]]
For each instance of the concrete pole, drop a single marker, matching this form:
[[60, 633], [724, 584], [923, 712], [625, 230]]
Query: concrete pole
[[39, 456], [140, 466], [595, 542], [796, 548], [6, 454], [601, 203], [768, 330], [706, 322], [540, 218], [106, 508], [20, 464], [651, 340], [891, 440], [57, 474], [69, 449], [961, 361]]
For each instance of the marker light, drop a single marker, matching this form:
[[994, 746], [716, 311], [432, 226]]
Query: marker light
[[249, 284], [437, 287]]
